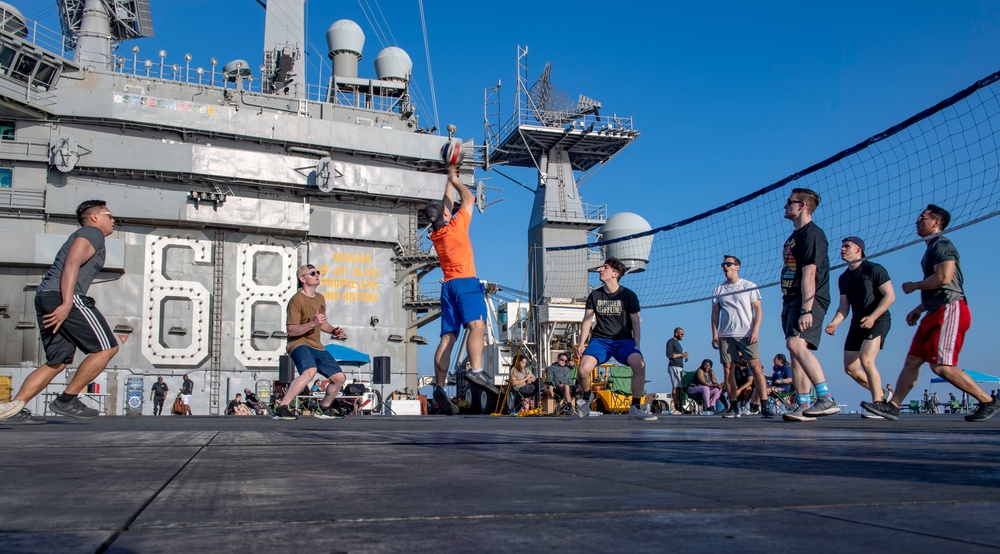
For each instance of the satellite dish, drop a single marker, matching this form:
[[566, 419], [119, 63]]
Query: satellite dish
[[325, 174]]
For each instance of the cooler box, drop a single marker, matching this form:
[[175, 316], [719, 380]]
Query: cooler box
[[403, 407]]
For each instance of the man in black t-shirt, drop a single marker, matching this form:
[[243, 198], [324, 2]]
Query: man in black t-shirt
[[158, 393], [805, 288], [866, 292], [616, 333]]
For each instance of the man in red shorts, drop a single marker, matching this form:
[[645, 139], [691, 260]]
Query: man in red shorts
[[939, 337], [463, 300]]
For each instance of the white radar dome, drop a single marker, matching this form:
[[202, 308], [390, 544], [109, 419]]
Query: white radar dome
[[345, 40], [393, 64], [634, 253], [12, 21]]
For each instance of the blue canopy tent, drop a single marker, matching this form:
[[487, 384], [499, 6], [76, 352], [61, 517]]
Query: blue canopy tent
[[347, 356], [976, 376]]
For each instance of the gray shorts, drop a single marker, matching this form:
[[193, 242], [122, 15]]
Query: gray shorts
[[732, 349], [676, 373]]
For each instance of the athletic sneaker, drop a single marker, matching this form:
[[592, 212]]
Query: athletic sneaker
[[582, 407], [984, 411], [766, 412], [328, 413], [635, 412], [869, 415], [23, 417], [824, 406], [731, 413], [74, 408], [480, 379], [798, 414], [284, 412], [9, 409], [883, 409], [445, 404]]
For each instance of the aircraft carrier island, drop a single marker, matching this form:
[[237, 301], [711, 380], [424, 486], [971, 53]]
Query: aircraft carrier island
[[221, 185]]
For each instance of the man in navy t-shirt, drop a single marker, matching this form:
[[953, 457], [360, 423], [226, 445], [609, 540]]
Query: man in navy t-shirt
[[615, 309]]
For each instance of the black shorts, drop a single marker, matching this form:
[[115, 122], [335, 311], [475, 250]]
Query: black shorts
[[790, 322], [84, 328], [856, 335]]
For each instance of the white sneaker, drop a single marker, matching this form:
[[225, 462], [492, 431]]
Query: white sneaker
[[582, 407], [8, 409], [635, 412], [869, 415]]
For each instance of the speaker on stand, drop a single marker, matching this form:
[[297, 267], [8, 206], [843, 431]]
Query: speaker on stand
[[382, 375]]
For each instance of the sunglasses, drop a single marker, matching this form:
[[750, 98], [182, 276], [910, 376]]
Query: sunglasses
[[728, 264], [790, 202]]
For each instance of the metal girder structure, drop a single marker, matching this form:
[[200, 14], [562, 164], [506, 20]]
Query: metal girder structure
[[129, 18]]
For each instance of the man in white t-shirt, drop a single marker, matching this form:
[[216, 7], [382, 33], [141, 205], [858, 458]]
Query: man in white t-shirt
[[736, 316]]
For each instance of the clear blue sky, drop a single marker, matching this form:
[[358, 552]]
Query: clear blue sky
[[729, 96]]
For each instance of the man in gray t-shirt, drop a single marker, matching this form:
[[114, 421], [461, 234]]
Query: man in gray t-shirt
[[68, 319], [676, 356], [941, 331]]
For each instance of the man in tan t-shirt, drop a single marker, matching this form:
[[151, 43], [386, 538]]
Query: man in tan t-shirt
[[306, 317]]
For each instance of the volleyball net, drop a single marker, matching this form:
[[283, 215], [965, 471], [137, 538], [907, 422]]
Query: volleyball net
[[945, 155]]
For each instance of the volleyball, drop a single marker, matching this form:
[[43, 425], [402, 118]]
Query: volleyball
[[452, 152]]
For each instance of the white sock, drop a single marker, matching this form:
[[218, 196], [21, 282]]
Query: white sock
[[480, 370]]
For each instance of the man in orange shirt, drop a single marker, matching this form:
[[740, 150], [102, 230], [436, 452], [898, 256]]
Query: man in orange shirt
[[463, 300]]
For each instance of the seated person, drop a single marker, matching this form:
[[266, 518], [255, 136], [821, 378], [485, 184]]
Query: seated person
[[316, 387], [525, 382], [781, 376], [558, 375], [252, 401], [702, 384], [744, 385], [237, 407], [723, 395]]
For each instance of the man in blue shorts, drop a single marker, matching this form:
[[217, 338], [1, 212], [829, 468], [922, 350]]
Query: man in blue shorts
[[615, 333], [68, 320], [306, 318], [463, 300]]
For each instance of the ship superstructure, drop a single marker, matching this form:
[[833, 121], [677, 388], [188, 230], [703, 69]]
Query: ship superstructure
[[221, 186]]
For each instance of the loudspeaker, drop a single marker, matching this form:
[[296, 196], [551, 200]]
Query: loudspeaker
[[381, 370], [286, 369]]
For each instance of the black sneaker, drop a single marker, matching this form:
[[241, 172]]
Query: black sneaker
[[984, 411], [883, 409], [445, 404], [74, 409], [766, 412], [23, 417], [328, 413], [480, 379], [284, 412], [730, 413]]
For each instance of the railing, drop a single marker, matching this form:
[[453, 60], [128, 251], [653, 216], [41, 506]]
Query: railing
[[46, 38], [602, 125], [14, 199], [589, 212]]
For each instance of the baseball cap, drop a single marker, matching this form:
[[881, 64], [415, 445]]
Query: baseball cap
[[303, 269], [858, 241], [434, 212]]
